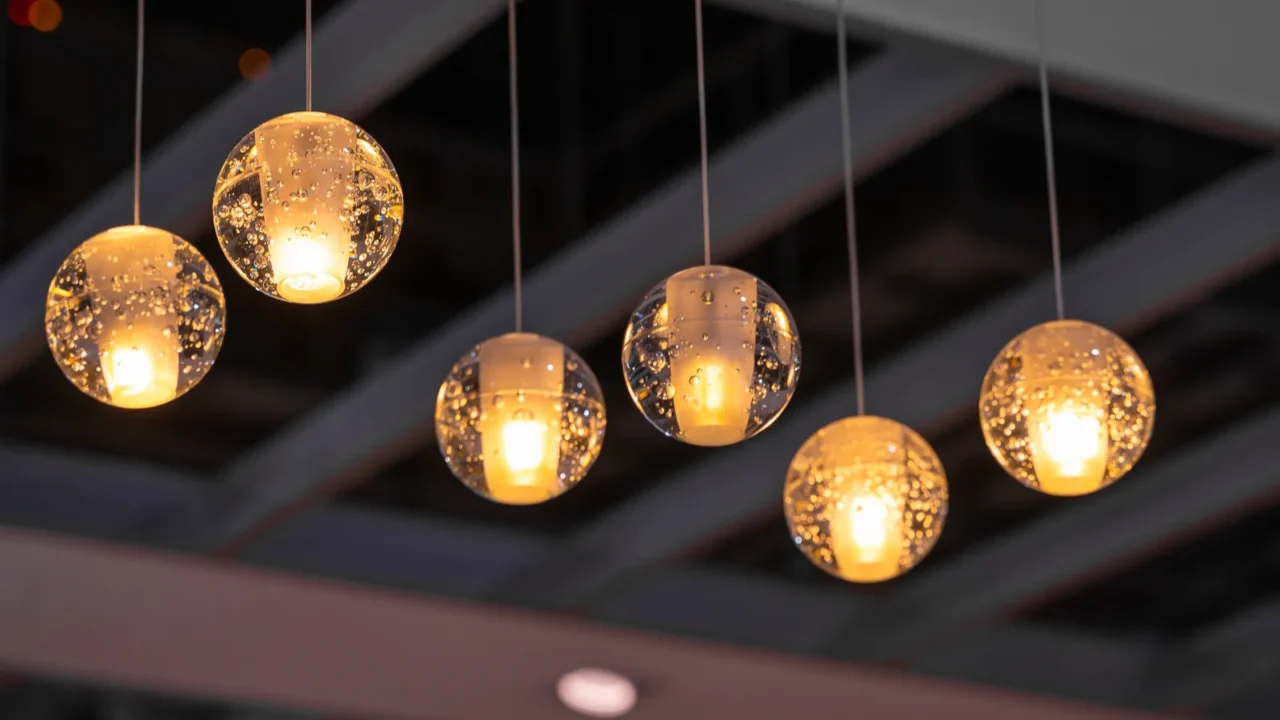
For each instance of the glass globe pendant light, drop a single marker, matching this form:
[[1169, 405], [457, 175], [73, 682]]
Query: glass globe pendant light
[[308, 207], [1067, 407], [711, 356], [865, 497], [135, 315], [520, 418]]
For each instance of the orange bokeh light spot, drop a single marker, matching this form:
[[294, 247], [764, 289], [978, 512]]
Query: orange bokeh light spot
[[254, 63], [45, 15]]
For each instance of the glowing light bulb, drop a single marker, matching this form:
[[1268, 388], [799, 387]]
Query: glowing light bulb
[[711, 400], [520, 419], [714, 412], [866, 536], [870, 527], [308, 208], [308, 270], [1067, 407], [128, 370], [713, 387], [523, 444], [711, 356], [157, 314], [865, 499], [522, 455], [1068, 444], [138, 375], [709, 352]]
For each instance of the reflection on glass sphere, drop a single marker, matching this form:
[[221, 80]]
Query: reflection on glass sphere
[[520, 419], [308, 208], [865, 499], [135, 316], [711, 356], [1067, 407]]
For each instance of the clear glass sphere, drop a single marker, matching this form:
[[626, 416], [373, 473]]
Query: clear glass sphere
[[1067, 407], [135, 316], [308, 208], [865, 499], [520, 419], [711, 356]]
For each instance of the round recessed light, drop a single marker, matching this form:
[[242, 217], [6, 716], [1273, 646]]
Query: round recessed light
[[596, 692]]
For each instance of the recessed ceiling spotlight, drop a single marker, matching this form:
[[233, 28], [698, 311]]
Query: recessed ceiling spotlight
[[596, 692]]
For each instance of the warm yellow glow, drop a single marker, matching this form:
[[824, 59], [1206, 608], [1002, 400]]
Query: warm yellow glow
[[308, 270], [307, 207], [306, 226], [140, 371], [522, 454], [865, 498], [520, 419], [1067, 407], [522, 383], [128, 371], [713, 392], [522, 445], [135, 316], [867, 537], [1068, 440], [710, 356], [138, 349], [712, 369], [710, 411]]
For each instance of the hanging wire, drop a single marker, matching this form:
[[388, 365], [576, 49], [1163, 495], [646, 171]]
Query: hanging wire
[[850, 218], [702, 129], [515, 158], [1050, 168], [137, 124], [308, 42]]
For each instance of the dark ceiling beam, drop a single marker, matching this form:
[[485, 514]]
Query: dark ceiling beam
[[774, 176], [439, 557], [68, 492], [244, 634], [353, 75], [1226, 86], [84, 494], [1233, 660], [796, 618]]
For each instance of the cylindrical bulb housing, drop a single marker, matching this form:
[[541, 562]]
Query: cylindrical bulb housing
[[520, 419], [135, 317], [308, 208], [711, 356], [865, 499], [1067, 407]]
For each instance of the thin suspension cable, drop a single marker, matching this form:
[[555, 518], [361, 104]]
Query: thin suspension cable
[[1051, 171], [851, 226], [137, 123], [515, 158], [308, 42], [702, 129]]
